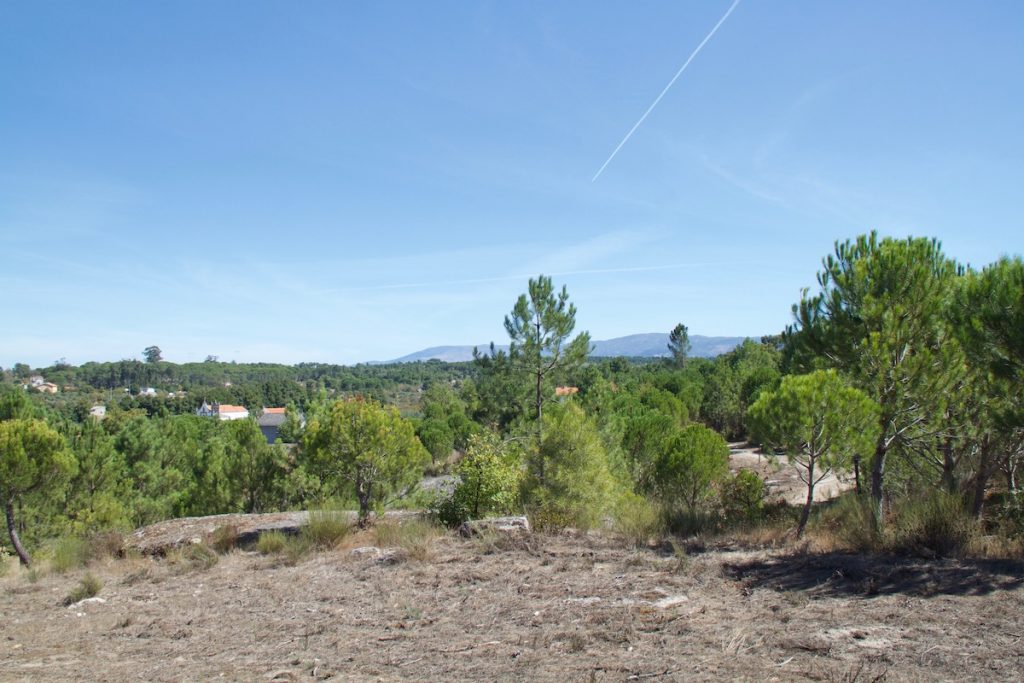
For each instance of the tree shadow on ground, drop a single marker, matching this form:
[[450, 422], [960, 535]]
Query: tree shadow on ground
[[846, 574]]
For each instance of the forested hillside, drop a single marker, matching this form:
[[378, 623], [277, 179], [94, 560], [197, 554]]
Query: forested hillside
[[901, 371]]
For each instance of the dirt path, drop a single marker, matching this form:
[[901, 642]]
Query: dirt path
[[782, 477], [543, 609]]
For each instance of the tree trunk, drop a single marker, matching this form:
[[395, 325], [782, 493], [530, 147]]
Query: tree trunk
[[12, 530], [363, 496], [981, 479], [948, 467], [856, 474], [878, 482], [540, 426], [806, 512]]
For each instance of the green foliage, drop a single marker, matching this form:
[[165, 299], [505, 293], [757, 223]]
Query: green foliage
[[570, 477], [67, 553], [88, 587], [33, 457], [490, 475], [881, 319], [742, 496], [366, 446], [733, 381], [152, 354], [692, 463], [820, 422], [679, 344], [638, 520], [539, 328]]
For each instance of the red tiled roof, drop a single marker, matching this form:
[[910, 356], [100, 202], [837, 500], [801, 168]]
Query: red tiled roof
[[273, 411], [225, 408]]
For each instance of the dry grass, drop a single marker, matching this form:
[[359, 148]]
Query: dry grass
[[524, 608]]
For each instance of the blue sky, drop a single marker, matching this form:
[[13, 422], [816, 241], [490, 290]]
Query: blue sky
[[343, 182]]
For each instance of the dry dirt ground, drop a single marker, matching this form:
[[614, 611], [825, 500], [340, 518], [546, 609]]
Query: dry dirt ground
[[525, 608]]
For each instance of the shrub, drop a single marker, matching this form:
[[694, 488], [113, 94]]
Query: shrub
[[195, 556], [326, 528], [742, 497], [849, 523], [570, 478], [271, 542], [638, 520], [692, 522], [68, 552], [489, 477], [690, 466], [224, 538], [937, 525], [296, 548], [106, 544], [88, 587]]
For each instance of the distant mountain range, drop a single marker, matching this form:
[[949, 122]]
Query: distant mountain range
[[652, 345]]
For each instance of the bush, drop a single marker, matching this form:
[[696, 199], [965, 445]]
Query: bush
[[194, 556], [638, 520], [742, 497], [692, 463], [489, 477], [693, 522], [88, 587], [271, 542], [849, 523], [549, 518], [326, 528], [106, 544], [570, 478], [224, 538], [935, 526], [68, 552]]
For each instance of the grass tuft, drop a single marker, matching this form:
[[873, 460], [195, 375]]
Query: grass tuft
[[88, 587], [326, 528], [67, 553], [271, 542]]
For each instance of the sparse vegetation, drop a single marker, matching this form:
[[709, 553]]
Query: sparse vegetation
[[326, 528], [271, 542], [88, 587]]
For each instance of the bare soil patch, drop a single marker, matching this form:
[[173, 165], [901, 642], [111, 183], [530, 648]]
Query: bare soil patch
[[530, 608]]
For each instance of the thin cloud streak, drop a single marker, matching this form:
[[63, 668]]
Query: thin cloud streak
[[506, 278], [670, 84]]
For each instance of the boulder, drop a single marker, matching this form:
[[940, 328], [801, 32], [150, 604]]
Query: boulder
[[506, 525]]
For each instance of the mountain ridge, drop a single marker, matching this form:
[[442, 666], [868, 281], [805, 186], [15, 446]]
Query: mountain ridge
[[644, 345]]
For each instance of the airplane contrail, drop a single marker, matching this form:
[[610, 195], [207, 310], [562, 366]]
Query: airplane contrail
[[658, 99]]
